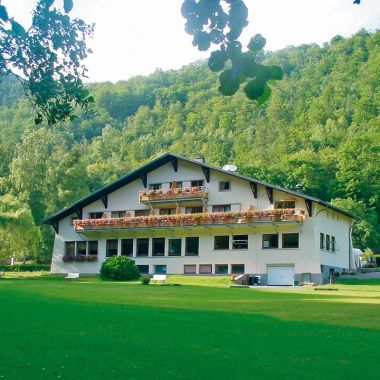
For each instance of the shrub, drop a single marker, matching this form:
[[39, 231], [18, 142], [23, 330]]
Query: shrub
[[145, 280], [119, 268]]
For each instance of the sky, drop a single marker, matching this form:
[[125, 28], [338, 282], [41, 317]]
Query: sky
[[136, 37]]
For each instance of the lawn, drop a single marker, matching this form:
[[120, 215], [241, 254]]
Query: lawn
[[88, 329]]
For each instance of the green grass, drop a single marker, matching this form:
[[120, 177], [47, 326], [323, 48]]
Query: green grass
[[88, 329]]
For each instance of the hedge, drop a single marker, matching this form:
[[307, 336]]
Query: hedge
[[24, 268]]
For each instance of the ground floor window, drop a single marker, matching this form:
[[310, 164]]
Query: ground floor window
[[93, 247], [158, 247], [290, 240], [221, 208], [270, 241], [221, 269], [81, 248], [190, 269], [143, 269], [127, 247], [221, 242], [240, 242], [111, 247], [70, 248], [237, 268], [175, 247], [192, 246], [160, 269], [142, 247], [205, 269]]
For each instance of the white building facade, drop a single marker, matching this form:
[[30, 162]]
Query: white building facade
[[181, 216]]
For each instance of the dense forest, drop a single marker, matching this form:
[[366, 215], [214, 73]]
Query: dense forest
[[320, 128]]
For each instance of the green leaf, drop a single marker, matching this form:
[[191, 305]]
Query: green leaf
[[18, 29], [67, 5], [3, 13], [257, 43], [202, 40], [275, 72], [229, 82], [217, 60], [91, 99], [254, 89], [266, 94]]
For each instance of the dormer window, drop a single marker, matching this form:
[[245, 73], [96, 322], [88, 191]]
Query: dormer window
[[285, 204]]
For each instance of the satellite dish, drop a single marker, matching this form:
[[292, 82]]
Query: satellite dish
[[230, 168]]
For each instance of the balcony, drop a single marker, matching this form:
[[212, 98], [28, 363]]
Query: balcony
[[186, 220], [175, 195]]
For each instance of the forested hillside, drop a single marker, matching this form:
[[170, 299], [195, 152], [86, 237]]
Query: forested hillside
[[320, 128]]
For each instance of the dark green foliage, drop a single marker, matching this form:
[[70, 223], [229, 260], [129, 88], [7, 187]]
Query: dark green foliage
[[221, 22], [46, 59], [145, 280], [25, 268], [320, 128], [119, 268]]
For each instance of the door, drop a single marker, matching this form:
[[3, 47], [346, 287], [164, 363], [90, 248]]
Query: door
[[280, 275]]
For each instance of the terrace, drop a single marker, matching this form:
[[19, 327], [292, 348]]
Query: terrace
[[174, 194], [183, 220]]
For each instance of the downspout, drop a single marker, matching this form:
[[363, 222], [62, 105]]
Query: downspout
[[350, 246]]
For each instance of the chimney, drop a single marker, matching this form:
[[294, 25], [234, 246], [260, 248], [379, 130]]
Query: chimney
[[200, 159], [299, 188]]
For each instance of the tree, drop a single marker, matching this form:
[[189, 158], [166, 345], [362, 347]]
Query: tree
[[46, 59], [19, 236], [221, 22]]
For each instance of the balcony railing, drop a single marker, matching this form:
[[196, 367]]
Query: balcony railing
[[173, 194], [220, 218]]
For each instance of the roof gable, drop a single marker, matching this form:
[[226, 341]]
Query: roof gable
[[142, 172]]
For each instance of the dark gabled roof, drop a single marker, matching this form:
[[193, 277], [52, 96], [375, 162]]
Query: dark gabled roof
[[156, 163]]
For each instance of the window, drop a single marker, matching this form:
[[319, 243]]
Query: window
[[285, 204], [192, 246], [221, 208], [141, 212], [70, 248], [95, 215], [175, 247], [111, 247], [240, 242], [160, 269], [270, 241], [221, 269], [127, 247], [167, 211], [155, 186], [81, 248], [197, 183], [158, 248], [221, 242], [237, 268], [118, 214], [290, 240], [142, 245], [224, 186], [190, 269], [193, 210], [176, 185], [205, 269], [93, 247], [327, 242], [143, 269], [321, 241], [333, 243]]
